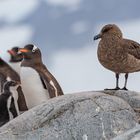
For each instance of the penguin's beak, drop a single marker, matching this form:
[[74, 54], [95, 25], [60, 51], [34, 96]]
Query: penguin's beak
[[11, 52], [23, 50], [97, 37]]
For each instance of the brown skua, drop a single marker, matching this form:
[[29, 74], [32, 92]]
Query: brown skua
[[120, 55]]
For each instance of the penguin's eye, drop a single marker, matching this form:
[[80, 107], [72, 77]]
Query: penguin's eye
[[106, 29]]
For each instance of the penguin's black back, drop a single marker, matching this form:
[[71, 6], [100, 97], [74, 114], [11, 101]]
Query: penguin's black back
[[4, 115]]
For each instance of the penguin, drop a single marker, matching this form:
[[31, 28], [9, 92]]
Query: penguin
[[15, 58], [38, 83], [7, 72], [8, 109]]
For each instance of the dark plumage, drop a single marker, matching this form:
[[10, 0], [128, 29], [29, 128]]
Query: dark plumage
[[15, 55], [5, 72], [118, 54], [6, 109]]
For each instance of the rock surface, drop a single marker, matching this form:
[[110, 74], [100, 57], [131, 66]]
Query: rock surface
[[81, 116], [131, 97], [132, 134]]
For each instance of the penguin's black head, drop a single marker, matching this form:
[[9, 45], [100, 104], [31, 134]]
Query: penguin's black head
[[15, 55], [11, 83], [14, 83], [30, 51]]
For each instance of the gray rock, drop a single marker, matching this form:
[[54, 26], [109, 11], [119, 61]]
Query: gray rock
[[131, 97], [82, 116], [132, 134]]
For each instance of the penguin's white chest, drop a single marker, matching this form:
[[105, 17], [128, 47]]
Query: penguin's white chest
[[15, 96], [32, 86], [16, 66]]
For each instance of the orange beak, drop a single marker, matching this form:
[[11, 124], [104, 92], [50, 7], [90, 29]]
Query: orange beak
[[23, 50], [11, 52]]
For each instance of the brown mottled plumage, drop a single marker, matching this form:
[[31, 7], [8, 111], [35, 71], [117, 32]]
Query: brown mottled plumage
[[116, 53]]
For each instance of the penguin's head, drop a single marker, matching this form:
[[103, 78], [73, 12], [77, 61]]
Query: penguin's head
[[11, 82], [30, 51], [15, 55], [10, 85]]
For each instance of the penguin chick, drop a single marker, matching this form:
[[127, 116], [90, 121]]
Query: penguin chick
[[7, 104]]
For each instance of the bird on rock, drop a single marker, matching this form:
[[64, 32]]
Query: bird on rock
[[38, 83], [120, 55]]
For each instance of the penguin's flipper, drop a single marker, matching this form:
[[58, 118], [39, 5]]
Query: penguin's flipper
[[21, 100], [43, 83], [48, 86], [12, 108]]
